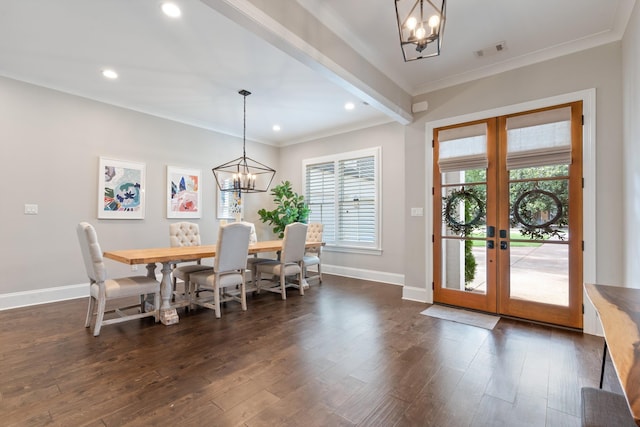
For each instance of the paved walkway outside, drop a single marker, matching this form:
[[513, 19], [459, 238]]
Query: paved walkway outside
[[538, 273]]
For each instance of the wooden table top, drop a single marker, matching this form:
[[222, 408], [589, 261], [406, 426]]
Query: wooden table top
[[187, 253], [619, 311]]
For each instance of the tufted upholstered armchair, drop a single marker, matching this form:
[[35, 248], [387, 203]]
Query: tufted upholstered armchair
[[103, 289], [185, 234], [312, 255]]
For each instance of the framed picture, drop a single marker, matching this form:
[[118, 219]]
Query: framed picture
[[121, 186], [229, 203], [184, 198]]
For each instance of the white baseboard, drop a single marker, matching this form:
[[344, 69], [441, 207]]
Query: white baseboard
[[415, 294], [63, 293], [43, 296], [358, 273]]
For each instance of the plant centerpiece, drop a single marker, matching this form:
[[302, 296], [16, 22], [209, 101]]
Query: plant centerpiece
[[290, 207]]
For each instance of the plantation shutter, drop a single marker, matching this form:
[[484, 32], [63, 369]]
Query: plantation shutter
[[357, 200], [320, 197], [539, 139], [463, 148], [226, 200]]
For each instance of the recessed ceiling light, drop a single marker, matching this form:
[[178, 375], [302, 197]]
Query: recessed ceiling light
[[349, 106], [276, 128], [171, 9], [110, 74]]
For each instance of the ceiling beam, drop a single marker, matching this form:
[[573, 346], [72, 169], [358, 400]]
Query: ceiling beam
[[291, 28]]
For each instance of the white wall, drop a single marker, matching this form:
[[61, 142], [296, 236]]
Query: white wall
[[598, 68], [631, 148], [390, 137], [51, 143]]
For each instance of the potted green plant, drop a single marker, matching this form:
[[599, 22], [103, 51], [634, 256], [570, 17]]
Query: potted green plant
[[290, 207]]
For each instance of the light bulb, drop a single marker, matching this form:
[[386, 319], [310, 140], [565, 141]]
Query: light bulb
[[411, 23], [434, 21], [421, 33]]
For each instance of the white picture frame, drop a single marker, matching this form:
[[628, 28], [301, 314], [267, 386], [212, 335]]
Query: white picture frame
[[184, 195], [121, 189]]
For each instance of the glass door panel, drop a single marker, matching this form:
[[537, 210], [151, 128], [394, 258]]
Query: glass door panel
[[508, 216]]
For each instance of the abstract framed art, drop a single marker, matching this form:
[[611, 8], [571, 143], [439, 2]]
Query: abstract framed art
[[184, 198], [121, 187]]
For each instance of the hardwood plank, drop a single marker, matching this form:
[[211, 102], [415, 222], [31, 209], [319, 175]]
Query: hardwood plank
[[348, 352]]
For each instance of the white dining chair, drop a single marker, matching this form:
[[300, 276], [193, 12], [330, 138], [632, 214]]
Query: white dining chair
[[228, 271], [102, 289], [185, 234], [312, 254], [289, 264]]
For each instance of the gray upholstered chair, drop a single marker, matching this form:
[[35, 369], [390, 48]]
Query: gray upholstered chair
[[254, 260], [290, 262], [312, 255], [185, 234], [102, 289], [228, 271]]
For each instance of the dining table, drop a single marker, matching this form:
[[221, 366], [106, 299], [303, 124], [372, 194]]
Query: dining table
[[168, 256]]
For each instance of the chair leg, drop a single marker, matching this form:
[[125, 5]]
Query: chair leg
[[174, 288], [283, 288], [100, 316], [156, 306], [92, 306], [319, 274], [257, 281], [243, 296], [216, 299], [301, 281]]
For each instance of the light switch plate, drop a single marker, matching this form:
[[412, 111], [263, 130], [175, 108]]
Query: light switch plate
[[417, 212]]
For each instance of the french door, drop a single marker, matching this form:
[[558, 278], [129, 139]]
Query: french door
[[508, 215]]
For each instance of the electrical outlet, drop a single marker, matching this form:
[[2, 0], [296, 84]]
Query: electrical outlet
[[134, 267], [30, 209]]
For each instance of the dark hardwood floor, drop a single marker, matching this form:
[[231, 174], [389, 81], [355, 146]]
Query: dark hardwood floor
[[349, 352]]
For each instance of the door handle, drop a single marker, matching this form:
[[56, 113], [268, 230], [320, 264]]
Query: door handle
[[503, 245], [490, 244]]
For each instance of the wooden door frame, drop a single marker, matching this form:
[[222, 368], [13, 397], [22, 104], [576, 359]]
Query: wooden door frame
[[588, 96], [549, 313]]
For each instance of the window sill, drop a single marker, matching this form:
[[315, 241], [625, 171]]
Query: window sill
[[353, 250]]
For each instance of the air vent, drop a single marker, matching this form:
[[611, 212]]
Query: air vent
[[491, 50]]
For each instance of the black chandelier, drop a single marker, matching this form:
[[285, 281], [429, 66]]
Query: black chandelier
[[244, 175], [420, 25]]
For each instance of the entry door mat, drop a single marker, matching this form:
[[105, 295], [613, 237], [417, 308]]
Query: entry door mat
[[467, 317]]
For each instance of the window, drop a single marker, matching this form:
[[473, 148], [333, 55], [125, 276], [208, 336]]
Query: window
[[342, 192]]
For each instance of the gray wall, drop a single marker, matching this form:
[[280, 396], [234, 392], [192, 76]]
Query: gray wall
[[631, 149], [51, 143], [390, 137], [598, 68]]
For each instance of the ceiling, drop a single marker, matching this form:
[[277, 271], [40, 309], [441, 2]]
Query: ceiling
[[301, 59]]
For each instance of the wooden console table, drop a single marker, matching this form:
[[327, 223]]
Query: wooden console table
[[619, 312]]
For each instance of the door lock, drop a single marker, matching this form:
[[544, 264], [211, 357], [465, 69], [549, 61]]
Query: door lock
[[490, 244], [503, 245]]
